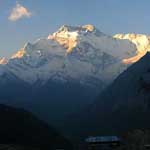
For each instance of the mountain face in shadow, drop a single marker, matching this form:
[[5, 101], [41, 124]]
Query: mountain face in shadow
[[61, 74], [51, 102], [19, 128], [58, 75], [123, 106]]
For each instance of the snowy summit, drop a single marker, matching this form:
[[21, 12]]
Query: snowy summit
[[63, 54]]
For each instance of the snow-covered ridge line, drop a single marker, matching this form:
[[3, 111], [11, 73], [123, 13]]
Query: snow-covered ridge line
[[63, 55], [141, 41], [67, 36]]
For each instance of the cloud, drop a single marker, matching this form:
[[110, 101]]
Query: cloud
[[19, 12]]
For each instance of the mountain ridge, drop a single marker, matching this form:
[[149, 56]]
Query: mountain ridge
[[141, 41], [43, 77], [67, 51]]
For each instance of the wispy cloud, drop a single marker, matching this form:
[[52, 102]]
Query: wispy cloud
[[19, 12]]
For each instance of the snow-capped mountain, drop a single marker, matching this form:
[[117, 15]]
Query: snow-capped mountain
[[64, 54], [64, 71], [142, 43]]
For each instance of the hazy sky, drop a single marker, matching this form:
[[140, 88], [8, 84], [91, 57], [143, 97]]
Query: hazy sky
[[26, 20]]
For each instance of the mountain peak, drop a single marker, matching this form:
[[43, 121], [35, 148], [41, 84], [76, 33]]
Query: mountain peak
[[67, 28], [69, 50], [89, 27], [69, 36], [141, 41], [66, 36]]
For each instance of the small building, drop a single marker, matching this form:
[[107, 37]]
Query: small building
[[102, 142]]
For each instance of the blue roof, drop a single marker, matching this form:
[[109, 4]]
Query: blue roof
[[102, 139]]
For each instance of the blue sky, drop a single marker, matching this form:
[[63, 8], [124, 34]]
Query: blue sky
[[110, 16]]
